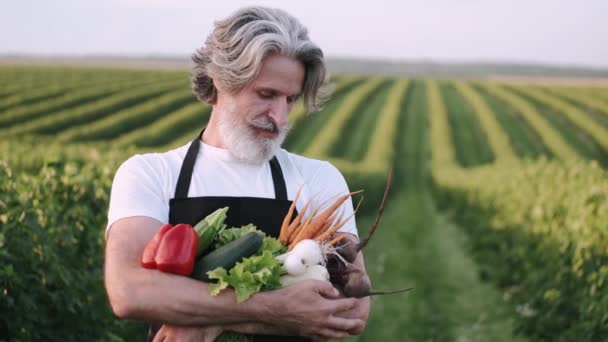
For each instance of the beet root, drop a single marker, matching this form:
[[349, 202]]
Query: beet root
[[351, 280], [338, 271], [348, 247], [357, 284]]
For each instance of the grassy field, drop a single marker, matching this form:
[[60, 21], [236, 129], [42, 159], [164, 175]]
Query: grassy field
[[451, 224]]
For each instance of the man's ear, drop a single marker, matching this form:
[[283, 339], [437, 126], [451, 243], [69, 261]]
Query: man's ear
[[216, 90], [217, 85]]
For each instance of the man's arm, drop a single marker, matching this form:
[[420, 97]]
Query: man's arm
[[310, 308]]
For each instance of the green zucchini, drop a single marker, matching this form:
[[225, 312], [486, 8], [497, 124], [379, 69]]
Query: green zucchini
[[208, 228], [228, 255]]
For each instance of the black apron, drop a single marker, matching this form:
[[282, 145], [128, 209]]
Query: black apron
[[265, 213]]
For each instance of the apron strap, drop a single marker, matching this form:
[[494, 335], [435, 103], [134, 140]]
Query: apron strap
[[280, 191], [185, 173]]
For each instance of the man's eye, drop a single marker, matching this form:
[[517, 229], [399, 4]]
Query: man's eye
[[265, 94]]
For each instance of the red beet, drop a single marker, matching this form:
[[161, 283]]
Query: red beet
[[346, 276]]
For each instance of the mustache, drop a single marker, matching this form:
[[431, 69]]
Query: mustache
[[265, 123]]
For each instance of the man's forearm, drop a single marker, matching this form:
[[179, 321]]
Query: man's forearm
[[159, 297]]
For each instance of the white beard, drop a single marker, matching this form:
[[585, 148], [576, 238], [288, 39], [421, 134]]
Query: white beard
[[242, 141]]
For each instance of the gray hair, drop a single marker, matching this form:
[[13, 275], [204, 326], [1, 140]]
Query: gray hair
[[234, 51]]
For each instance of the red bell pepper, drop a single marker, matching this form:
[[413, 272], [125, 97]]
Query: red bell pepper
[[177, 250], [147, 260]]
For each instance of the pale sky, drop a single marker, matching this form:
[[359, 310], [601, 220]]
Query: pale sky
[[537, 31]]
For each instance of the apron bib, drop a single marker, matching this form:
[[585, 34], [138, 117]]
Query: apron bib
[[265, 213]]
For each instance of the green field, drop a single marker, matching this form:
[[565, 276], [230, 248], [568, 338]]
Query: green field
[[498, 215]]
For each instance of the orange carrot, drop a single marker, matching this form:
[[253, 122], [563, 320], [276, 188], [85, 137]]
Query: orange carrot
[[293, 227], [322, 236], [336, 240], [338, 225], [287, 218], [303, 229], [330, 222], [325, 215], [318, 222]]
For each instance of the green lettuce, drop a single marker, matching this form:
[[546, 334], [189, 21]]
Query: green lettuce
[[249, 276], [230, 234], [260, 272], [272, 245]]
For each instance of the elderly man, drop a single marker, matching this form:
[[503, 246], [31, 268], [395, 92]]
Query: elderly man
[[254, 66]]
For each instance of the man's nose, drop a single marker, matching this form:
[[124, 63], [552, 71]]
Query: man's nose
[[279, 112]]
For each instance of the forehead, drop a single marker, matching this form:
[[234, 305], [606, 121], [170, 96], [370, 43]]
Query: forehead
[[280, 73]]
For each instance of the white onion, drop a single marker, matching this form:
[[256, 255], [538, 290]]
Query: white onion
[[281, 258], [293, 264], [309, 251], [315, 272]]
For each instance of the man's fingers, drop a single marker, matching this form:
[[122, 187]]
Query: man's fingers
[[344, 304], [212, 333], [343, 324], [160, 335], [326, 289], [329, 334]]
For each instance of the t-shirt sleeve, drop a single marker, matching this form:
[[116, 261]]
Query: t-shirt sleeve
[[331, 183], [137, 190]]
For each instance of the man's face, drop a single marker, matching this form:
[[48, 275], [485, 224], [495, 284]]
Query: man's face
[[253, 122]]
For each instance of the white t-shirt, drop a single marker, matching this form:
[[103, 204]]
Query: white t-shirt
[[144, 184]]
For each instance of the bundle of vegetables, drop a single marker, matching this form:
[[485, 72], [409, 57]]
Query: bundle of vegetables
[[243, 258]]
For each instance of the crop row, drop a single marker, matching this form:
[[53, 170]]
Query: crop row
[[525, 141], [469, 138], [443, 155], [330, 133], [574, 115], [496, 136], [168, 128], [69, 99], [583, 98], [129, 119], [24, 92], [356, 131], [380, 153], [575, 136], [70, 118], [549, 136]]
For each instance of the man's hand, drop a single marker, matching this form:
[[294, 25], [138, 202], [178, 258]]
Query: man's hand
[[174, 333], [314, 309], [360, 311]]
